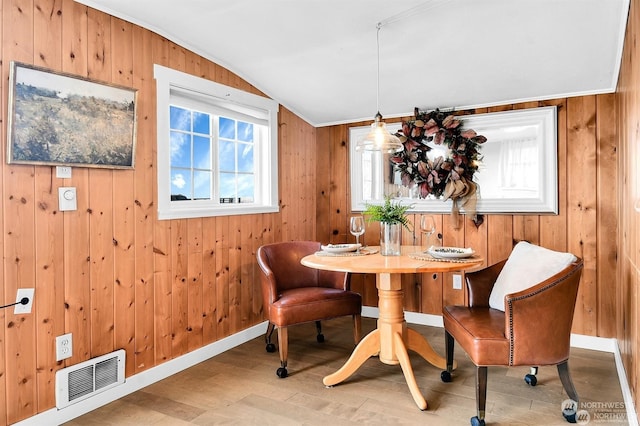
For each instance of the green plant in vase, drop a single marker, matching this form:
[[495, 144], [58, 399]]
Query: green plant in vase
[[389, 212], [392, 217]]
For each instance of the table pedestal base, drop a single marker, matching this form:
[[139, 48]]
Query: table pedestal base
[[391, 341]]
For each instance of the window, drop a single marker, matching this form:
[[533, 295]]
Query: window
[[519, 172], [217, 148]]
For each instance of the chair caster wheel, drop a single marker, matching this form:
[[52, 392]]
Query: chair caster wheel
[[531, 379], [271, 347], [475, 421], [445, 376], [570, 418], [282, 372], [320, 338]]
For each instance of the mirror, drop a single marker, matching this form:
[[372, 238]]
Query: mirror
[[518, 174]]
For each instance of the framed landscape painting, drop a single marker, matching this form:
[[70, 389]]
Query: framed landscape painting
[[61, 119]]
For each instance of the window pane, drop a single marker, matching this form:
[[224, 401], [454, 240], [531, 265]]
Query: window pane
[[246, 188], [193, 139], [180, 118], [227, 128], [180, 150], [201, 123], [201, 152], [180, 184], [202, 185], [245, 132], [245, 158], [227, 185], [227, 156]]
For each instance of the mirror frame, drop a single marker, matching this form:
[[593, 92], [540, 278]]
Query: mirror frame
[[547, 138]]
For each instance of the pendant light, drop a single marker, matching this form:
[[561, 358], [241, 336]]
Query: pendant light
[[379, 138]]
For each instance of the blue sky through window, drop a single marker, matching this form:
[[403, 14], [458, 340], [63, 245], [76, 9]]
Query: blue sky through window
[[190, 153], [235, 159], [192, 167]]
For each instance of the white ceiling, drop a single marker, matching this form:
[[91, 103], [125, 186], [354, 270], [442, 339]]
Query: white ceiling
[[318, 57]]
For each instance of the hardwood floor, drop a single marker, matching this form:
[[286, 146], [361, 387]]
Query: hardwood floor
[[240, 387]]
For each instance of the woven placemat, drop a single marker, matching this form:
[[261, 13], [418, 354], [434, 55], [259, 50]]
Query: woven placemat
[[363, 252], [427, 256]]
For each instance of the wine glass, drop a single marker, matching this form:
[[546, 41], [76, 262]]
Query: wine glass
[[428, 226], [357, 229]]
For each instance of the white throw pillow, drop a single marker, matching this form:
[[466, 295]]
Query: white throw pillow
[[527, 266]]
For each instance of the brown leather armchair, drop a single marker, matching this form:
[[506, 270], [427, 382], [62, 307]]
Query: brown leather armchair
[[533, 330], [293, 294]]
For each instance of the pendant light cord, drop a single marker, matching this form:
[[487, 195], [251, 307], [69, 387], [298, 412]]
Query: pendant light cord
[[379, 138], [378, 26], [416, 10]]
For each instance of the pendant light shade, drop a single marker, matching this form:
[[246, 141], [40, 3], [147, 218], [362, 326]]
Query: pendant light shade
[[379, 138]]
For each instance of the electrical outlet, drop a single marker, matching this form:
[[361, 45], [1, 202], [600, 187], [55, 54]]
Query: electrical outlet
[[457, 282], [20, 308], [64, 347]]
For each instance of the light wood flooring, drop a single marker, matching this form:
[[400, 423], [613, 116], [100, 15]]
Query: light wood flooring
[[240, 387]]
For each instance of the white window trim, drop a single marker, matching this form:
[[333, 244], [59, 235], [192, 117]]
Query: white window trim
[[266, 184]]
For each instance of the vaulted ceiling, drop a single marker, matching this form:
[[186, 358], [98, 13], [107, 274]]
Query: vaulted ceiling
[[318, 58]]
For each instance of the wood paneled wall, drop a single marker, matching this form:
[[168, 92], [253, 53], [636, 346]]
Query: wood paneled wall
[[586, 224], [628, 276], [116, 277], [110, 272]]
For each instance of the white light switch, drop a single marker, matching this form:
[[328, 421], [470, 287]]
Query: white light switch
[[67, 198], [63, 172]]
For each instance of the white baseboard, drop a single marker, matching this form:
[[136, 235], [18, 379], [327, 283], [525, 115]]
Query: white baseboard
[[601, 344], [162, 371], [145, 378]]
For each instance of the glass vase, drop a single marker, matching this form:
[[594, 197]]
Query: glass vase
[[390, 238]]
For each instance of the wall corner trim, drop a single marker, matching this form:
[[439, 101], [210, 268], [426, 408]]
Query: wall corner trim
[[632, 417]]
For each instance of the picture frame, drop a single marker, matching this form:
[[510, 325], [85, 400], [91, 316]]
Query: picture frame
[[56, 118]]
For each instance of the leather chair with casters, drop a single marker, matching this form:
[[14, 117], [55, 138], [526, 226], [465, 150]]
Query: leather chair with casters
[[294, 294], [519, 313]]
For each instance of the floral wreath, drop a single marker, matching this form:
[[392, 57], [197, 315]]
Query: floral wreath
[[448, 177], [432, 176]]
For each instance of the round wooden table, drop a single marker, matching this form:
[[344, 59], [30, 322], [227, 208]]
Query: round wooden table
[[391, 339]]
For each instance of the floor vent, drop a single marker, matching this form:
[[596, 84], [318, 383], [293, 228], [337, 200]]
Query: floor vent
[[88, 378]]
